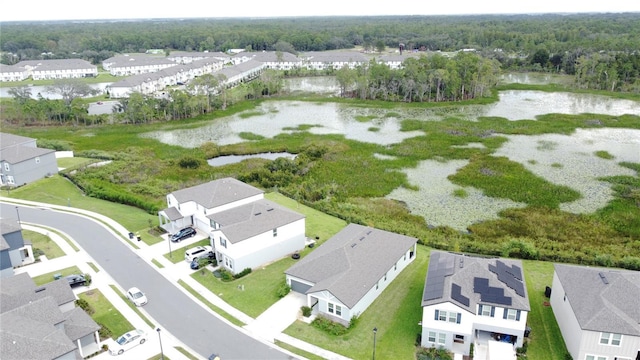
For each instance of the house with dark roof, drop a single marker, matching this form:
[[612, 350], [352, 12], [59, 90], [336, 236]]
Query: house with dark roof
[[245, 230], [14, 250], [42, 322], [474, 300], [256, 233], [598, 311], [344, 275], [23, 162]]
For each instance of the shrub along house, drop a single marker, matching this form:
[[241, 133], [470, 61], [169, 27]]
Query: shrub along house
[[343, 276], [474, 300], [598, 311]]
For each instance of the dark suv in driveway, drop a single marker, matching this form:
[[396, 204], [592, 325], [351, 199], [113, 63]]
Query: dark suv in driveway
[[183, 234]]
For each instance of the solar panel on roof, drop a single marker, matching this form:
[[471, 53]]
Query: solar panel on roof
[[438, 270], [456, 294]]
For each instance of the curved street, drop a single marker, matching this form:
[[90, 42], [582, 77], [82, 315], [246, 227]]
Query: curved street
[[169, 307]]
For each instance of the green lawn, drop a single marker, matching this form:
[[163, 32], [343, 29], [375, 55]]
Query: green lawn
[[48, 277], [74, 162], [44, 243], [546, 341], [59, 191], [105, 313]]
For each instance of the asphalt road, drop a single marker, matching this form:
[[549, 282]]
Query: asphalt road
[[171, 308]]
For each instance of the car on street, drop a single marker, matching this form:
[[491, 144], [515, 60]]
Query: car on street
[[213, 357], [127, 341], [76, 279], [136, 296], [198, 252], [183, 234]]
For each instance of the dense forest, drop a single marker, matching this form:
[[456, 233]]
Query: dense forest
[[508, 38]]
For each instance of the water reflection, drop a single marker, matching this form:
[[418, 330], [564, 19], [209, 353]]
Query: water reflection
[[232, 159]]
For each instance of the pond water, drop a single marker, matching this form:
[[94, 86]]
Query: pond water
[[562, 159], [42, 90], [232, 159]]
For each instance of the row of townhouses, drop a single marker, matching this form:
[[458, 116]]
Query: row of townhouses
[[150, 74]]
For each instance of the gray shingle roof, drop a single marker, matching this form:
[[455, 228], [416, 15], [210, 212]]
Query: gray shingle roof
[[25, 338], [258, 217], [78, 324], [8, 140], [17, 154], [217, 193], [57, 64], [8, 226], [463, 275], [173, 213], [350, 263], [612, 307]]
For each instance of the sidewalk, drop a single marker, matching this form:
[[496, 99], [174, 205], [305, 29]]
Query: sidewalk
[[267, 327]]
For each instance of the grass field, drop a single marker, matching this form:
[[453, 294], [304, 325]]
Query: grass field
[[44, 243], [105, 313]]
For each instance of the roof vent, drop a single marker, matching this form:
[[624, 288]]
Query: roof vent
[[362, 238], [603, 278], [461, 263], [41, 289], [353, 245], [270, 209], [258, 213]]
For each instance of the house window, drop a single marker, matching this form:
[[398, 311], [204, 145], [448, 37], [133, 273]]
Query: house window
[[335, 309], [432, 337], [10, 180], [37, 160], [442, 338], [610, 339], [6, 166], [486, 310], [275, 232], [450, 316], [511, 314], [594, 357], [223, 242], [213, 224]]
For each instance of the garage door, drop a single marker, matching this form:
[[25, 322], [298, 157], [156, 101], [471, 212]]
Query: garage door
[[299, 287]]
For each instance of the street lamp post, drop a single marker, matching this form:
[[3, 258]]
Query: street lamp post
[[18, 213], [160, 338], [375, 330]]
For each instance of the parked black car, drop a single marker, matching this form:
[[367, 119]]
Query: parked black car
[[76, 279], [183, 234]]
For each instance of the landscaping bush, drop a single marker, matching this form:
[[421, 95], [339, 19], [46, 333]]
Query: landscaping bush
[[84, 305], [87, 279], [306, 311], [104, 332], [328, 326], [283, 289], [433, 354], [189, 162], [242, 273]]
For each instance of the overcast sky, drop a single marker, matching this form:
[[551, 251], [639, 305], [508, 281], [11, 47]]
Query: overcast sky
[[16, 10]]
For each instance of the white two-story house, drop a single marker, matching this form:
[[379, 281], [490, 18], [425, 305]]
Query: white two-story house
[[256, 233], [474, 300], [245, 230], [598, 311]]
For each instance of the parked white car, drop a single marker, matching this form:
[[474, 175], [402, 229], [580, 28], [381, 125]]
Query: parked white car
[[198, 252], [127, 341], [136, 296]]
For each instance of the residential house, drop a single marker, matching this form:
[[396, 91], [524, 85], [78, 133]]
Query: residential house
[[42, 322], [186, 57], [598, 311], [474, 300], [273, 59], [22, 162], [133, 64], [242, 72], [245, 230], [332, 60], [59, 69], [14, 250], [344, 275], [13, 73], [254, 234]]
